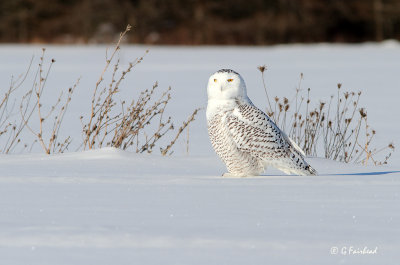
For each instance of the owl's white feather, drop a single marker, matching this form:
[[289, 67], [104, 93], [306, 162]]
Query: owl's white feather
[[244, 137]]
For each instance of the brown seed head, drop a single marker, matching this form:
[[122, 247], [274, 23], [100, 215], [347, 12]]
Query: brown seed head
[[262, 68], [363, 113], [285, 101]]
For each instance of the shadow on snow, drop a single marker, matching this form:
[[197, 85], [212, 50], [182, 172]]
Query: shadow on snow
[[376, 173]]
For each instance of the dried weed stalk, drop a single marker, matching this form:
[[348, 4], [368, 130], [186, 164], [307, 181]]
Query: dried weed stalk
[[32, 102], [10, 126], [139, 124], [184, 126], [114, 124], [340, 126], [110, 123], [13, 124]]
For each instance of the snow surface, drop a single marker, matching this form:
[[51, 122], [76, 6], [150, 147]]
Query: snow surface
[[113, 207]]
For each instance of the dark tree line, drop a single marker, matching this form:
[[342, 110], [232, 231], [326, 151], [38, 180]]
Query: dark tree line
[[200, 22]]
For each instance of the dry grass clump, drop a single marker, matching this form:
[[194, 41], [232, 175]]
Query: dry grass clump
[[14, 123], [10, 126], [122, 124], [32, 102], [339, 127], [138, 124]]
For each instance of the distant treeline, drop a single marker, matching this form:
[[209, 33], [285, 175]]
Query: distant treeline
[[247, 22]]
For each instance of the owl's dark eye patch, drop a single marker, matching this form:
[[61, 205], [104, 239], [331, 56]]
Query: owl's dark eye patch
[[215, 80], [230, 80]]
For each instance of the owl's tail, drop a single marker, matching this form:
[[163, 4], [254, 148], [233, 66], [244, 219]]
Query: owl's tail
[[298, 155], [306, 171], [294, 164], [290, 168], [311, 171]]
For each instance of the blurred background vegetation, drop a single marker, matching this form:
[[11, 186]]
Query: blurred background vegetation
[[194, 22]]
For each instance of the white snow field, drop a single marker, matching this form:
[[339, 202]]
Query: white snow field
[[109, 206]]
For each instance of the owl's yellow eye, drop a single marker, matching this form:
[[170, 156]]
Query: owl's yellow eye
[[215, 80], [230, 80]]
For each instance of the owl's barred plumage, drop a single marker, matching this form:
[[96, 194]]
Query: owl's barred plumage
[[244, 137], [227, 71]]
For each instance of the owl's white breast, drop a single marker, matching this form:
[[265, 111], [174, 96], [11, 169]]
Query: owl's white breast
[[215, 106]]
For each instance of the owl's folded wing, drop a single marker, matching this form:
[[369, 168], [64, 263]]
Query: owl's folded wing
[[255, 133]]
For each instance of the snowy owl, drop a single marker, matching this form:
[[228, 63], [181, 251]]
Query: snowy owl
[[243, 136]]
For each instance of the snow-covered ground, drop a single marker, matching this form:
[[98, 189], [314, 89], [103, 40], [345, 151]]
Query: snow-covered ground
[[109, 206]]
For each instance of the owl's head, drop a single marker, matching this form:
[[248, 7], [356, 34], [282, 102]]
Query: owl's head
[[226, 84]]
